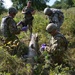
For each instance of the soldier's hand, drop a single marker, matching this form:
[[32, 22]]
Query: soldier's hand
[[24, 28], [42, 48]]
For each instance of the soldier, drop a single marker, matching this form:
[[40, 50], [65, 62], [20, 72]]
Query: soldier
[[58, 43], [9, 28], [28, 11], [55, 16]]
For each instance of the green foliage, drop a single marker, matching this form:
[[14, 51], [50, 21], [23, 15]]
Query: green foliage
[[69, 2], [73, 2], [40, 23], [13, 65], [59, 70], [63, 4], [68, 26], [2, 15], [37, 4], [1, 6], [57, 4]]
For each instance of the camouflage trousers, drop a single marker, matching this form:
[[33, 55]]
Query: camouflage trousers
[[29, 23], [14, 46]]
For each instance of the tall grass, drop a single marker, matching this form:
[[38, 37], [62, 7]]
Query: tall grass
[[12, 65]]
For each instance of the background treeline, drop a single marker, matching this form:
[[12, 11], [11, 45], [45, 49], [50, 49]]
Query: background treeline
[[64, 4], [39, 4], [2, 8]]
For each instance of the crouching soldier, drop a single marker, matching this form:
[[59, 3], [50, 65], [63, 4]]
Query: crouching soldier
[[55, 16], [9, 31], [58, 44], [28, 12]]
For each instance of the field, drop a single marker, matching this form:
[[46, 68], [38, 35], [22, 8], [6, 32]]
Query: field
[[12, 65]]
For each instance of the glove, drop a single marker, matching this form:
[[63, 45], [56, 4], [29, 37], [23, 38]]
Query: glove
[[43, 46], [24, 28]]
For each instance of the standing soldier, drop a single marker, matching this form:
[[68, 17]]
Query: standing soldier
[[28, 11], [58, 43], [55, 16]]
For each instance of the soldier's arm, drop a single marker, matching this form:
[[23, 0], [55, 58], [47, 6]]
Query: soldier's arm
[[23, 10], [13, 28], [33, 12], [56, 45], [55, 18]]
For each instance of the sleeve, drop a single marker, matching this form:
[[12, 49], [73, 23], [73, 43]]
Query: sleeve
[[56, 44], [55, 18], [12, 27], [32, 9], [24, 9]]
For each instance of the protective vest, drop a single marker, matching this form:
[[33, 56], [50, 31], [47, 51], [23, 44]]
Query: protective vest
[[5, 27], [59, 13]]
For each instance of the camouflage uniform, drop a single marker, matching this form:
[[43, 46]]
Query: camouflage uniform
[[9, 29], [58, 46], [28, 18], [56, 17]]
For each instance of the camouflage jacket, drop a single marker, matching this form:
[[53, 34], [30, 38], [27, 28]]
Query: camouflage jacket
[[8, 27], [58, 43], [28, 11]]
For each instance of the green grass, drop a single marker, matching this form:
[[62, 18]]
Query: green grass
[[12, 65]]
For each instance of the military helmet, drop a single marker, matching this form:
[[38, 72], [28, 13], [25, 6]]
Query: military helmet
[[47, 11], [50, 27], [13, 10]]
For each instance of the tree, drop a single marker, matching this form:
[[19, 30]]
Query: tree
[[37, 4], [1, 6], [57, 4], [69, 2], [64, 3], [73, 2]]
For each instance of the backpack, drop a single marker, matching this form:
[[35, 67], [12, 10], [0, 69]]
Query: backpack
[[4, 27], [60, 14]]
